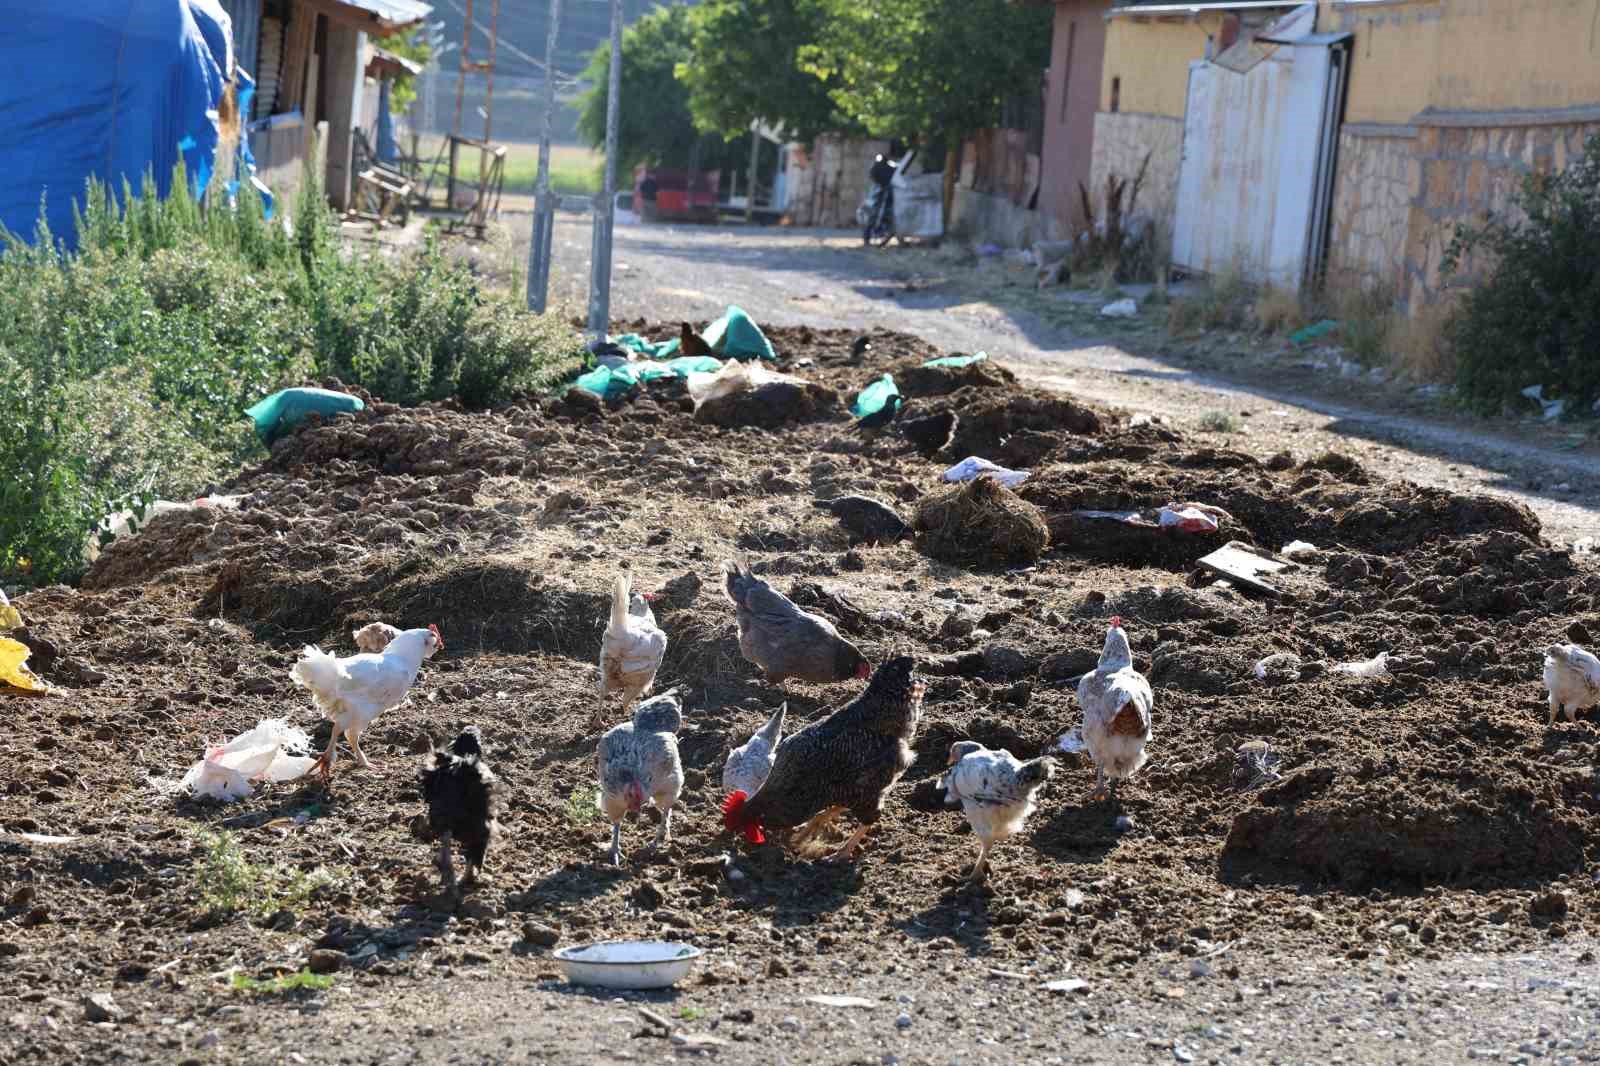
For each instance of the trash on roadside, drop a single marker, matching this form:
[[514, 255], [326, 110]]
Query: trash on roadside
[[736, 336], [609, 382], [1143, 419], [1190, 517], [1377, 666], [14, 672], [681, 367], [1550, 409], [1299, 549], [972, 467], [1240, 564], [1124, 308], [957, 360], [1066, 984], [285, 409], [648, 349], [874, 396], [841, 1001], [1313, 331], [732, 377], [272, 751], [608, 353]]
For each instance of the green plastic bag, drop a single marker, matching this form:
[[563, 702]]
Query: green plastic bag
[[1313, 331], [282, 411], [608, 382], [874, 396], [958, 360], [735, 336], [648, 349], [681, 367]]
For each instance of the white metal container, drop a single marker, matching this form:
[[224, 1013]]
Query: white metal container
[[628, 963]]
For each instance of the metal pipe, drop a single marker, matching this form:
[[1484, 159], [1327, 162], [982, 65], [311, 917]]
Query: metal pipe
[[544, 207], [600, 258], [755, 157]]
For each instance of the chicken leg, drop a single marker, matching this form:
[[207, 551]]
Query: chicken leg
[[847, 850], [325, 761], [981, 867], [664, 834], [616, 843], [814, 825], [1102, 789], [447, 870], [353, 735]]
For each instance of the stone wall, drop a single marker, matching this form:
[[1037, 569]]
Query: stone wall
[[827, 179], [1374, 186], [1121, 141], [1466, 169], [982, 218]]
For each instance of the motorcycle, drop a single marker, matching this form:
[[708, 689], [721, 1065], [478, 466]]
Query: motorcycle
[[875, 215]]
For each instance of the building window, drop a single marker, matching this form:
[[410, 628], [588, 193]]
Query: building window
[[1066, 67], [1116, 95]]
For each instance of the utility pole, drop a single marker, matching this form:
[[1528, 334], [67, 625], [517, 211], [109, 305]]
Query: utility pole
[[544, 206], [600, 249]]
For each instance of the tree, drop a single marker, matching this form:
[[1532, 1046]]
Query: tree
[[654, 126], [745, 66], [932, 69], [407, 44]]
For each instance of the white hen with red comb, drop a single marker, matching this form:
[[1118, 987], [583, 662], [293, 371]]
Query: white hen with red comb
[[1117, 704], [354, 690], [631, 649]]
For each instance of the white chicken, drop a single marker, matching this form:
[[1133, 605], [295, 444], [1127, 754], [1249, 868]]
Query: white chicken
[[1117, 702], [631, 650], [374, 637], [748, 765], [637, 763], [996, 792], [353, 691], [1572, 677]]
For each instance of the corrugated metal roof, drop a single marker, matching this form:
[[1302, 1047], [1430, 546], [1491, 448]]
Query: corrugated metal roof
[[393, 12], [1177, 7]]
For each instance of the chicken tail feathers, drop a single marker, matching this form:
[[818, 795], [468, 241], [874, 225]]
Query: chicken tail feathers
[[736, 819], [316, 670], [619, 602], [773, 729], [734, 573]]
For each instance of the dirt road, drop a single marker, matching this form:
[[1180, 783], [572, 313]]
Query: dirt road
[[825, 279]]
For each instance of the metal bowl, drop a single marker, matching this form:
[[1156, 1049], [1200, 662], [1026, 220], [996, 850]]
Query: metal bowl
[[628, 963]]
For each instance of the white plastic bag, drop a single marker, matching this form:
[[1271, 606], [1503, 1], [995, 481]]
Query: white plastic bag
[[272, 751], [1188, 518], [734, 377], [1120, 309], [1374, 667], [972, 467]]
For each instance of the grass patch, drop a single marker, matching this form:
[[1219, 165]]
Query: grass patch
[[284, 984], [1224, 303], [575, 170], [1220, 422], [126, 364], [230, 884], [583, 806], [1279, 311]]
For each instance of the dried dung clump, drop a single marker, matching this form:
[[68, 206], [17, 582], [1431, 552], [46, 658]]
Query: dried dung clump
[[770, 405], [980, 521], [915, 379]]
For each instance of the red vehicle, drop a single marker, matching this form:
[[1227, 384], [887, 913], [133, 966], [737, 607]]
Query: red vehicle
[[676, 195]]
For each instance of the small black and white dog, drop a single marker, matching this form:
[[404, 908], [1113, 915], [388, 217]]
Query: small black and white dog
[[459, 788]]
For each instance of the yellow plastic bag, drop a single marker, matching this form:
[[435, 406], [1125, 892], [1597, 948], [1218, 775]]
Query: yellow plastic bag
[[10, 617], [12, 671]]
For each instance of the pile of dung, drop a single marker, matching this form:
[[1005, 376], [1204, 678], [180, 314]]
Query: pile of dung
[[980, 521]]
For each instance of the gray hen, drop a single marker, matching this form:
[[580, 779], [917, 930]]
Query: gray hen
[[784, 640], [637, 763]]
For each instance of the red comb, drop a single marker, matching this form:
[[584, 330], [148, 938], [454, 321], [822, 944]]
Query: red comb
[[435, 631], [1116, 621], [732, 815]]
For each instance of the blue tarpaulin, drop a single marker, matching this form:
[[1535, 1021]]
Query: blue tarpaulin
[[108, 89]]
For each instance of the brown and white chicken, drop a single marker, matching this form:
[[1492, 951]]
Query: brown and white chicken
[[1117, 704], [631, 649], [637, 763], [355, 689], [1572, 679], [996, 791], [374, 637]]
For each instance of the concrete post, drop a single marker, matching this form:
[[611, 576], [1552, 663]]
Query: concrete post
[[544, 205], [755, 157], [600, 259]]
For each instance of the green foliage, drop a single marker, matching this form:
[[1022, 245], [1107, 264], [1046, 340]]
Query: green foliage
[[1534, 319], [746, 66], [125, 366], [582, 806], [935, 68], [284, 984], [654, 125], [407, 44], [230, 884]]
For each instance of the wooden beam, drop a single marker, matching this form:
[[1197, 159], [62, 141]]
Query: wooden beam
[[296, 52]]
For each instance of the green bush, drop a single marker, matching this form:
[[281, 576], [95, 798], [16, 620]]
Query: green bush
[[126, 365], [1534, 319]]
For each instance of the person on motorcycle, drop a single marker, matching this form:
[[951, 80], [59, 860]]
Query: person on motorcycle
[[882, 175]]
